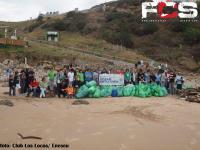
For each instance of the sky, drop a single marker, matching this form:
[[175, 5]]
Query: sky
[[19, 10]]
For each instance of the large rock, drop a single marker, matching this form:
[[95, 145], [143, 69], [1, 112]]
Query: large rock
[[80, 102], [6, 103]]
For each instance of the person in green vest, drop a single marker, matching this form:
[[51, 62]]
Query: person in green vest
[[80, 77], [127, 77], [51, 77], [43, 87]]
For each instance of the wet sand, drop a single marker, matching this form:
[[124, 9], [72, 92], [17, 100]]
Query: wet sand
[[106, 124]]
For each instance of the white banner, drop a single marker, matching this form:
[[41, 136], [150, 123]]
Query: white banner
[[111, 79]]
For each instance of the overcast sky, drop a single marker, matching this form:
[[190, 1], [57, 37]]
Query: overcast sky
[[18, 10]]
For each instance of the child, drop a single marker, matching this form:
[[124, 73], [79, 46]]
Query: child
[[43, 87], [70, 92], [33, 87]]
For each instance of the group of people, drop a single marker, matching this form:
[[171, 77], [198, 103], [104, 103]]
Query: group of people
[[67, 80]]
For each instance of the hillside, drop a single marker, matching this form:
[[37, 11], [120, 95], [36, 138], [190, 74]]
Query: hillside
[[117, 32]]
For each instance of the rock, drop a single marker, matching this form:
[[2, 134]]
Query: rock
[[191, 95], [6, 103], [80, 102]]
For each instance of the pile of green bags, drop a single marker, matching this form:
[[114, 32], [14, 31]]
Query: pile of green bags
[[82, 92], [91, 90]]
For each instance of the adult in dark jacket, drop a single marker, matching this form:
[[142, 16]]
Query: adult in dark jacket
[[12, 86]]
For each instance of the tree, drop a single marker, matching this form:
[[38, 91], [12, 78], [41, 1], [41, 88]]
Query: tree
[[192, 35], [40, 18]]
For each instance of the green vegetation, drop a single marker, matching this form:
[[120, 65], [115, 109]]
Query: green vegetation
[[146, 28], [192, 35]]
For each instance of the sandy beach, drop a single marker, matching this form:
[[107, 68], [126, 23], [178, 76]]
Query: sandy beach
[[109, 124]]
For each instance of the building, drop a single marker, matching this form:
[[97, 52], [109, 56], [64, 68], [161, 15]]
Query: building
[[52, 36], [50, 14], [76, 10]]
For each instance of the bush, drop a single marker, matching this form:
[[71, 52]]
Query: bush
[[89, 29], [2, 35], [129, 2], [34, 26], [119, 38], [76, 22], [179, 26], [40, 18], [192, 35], [148, 28], [59, 25]]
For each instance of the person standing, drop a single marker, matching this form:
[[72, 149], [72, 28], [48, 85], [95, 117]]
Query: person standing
[[59, 77], [152, 77], [179, 81], [80, 77], [51, 77], [70, 76], [96, 76], [163, 80], [158, 78], [172, 77], [12, 86], [140, 76], [23, 81], [17, 82], [88, 76], [147, 76], [127, 77], [134, 75]]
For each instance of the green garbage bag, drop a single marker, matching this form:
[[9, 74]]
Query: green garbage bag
[[164, 91], [106, 91], [120, 91], [143, 90], [82, 92], [92, 90], [154, 90], [137, 91], [148, 91], [91, 83], [158, 91], [133, 93], [127, 90], [97, 93]]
